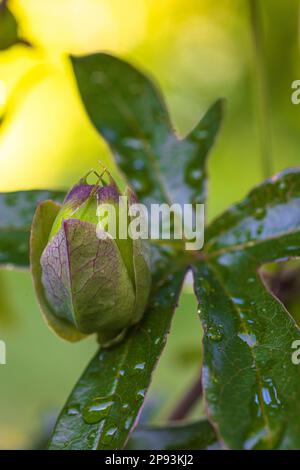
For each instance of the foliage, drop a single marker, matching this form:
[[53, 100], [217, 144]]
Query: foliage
[[250, 383], [8, 27]]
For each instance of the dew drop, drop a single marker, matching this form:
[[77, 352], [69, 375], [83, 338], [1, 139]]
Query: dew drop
[[97, 409], [73, 409], [282, 188], [214, 379], [109, 435], [246, 316], [260, 213], [270, 394], [140, 366], [194, 176], [215, 333], [292, 248], [226, 259], [128, 422], [132, 143], [111, 431], [141, 393], [238, 300], [248, 338], [254, 438]]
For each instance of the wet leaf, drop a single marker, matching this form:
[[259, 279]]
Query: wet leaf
[[105, 403], [187, 436], [132, 117], [250, 381], [251, 384], [16, 213]]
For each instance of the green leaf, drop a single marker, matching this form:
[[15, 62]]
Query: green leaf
[[251, 384], [105, 403], [133, 119], [191, 436], [16, 213], [8, 27], [129, 112]]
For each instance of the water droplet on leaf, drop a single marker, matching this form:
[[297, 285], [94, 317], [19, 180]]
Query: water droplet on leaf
[[248, 338], [73, 409], [97, 409], [260, 213], [215, 333]]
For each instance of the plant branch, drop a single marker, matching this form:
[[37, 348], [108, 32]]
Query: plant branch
[[188, 401], [262, 98]]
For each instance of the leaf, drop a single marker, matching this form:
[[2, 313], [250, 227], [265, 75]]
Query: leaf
[[8, 27], [251, 384], [9, 35], [129, 112], [191, 436], [105, 403], [16, 213]]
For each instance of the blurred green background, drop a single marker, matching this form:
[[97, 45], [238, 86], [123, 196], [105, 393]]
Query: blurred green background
[[197, 51]]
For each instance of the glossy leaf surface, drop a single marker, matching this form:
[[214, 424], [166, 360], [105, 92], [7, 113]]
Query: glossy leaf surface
[[104, 405], [251, 383], [129, 112], [132, 117], [16, 213]]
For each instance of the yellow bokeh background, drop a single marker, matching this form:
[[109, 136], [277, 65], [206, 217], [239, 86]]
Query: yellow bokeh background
[[196, 51], [47, 140]]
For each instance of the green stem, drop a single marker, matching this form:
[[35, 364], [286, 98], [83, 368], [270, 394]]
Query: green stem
[[262, 99]]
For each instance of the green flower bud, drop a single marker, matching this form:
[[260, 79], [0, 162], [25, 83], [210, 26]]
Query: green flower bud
[[88, 281]]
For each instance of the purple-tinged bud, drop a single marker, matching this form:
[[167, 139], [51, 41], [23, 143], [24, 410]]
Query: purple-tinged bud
[[85, 283]]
